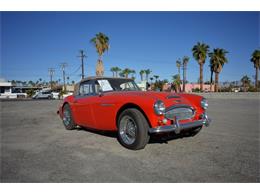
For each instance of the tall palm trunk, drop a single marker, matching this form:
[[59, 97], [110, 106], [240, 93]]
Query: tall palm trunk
[[201, 77], [211, 79], [216, 81], [116, 73], [244, 85], [184, 80], [256, 78], [99, 67]]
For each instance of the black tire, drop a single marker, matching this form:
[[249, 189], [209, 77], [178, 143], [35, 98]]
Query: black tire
[[67, 117], [141, 126]]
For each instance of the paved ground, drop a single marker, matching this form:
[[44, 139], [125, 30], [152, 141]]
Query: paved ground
[[35, 147]]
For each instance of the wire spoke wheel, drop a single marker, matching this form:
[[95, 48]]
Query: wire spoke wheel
[[128, 130], [66, 117]]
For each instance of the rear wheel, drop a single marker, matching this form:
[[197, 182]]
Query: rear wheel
[[67, 118], [133, 129]]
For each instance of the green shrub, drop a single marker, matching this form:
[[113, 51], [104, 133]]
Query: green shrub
[[30, 92], [196, 90]]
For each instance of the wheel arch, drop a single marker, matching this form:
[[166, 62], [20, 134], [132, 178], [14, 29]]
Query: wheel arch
[[131, 105], [64, 103], [62, 107]]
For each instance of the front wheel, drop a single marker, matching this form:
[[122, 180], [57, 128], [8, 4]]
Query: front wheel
[[133, 129], [67, 118]]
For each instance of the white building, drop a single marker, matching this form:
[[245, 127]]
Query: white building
[[6, 90]]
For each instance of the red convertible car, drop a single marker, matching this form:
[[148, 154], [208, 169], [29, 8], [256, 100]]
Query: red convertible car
[[117, 104]]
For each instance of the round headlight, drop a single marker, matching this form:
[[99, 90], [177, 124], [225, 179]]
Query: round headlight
[[204, 104], [159, 107]]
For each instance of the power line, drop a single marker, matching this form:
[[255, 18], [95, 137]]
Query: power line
[[73, 73]]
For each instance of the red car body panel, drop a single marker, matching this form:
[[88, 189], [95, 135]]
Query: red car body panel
[[101, 111]]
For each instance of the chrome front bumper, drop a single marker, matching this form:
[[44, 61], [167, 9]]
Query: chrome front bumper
[[177, 127]]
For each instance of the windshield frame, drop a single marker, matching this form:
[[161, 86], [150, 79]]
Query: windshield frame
[[119, 82]]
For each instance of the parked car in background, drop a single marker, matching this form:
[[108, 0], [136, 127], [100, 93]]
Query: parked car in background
[[118, 104], [55, 95], [43, 94]]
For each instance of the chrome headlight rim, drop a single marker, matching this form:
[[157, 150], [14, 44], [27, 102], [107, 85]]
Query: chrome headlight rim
[[159, 107], [204, 103]]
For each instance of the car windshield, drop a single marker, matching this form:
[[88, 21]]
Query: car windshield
[[116, 85]]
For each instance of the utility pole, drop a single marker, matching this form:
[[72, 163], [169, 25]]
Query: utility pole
[[63, 65], [51, 73], [82, 56]]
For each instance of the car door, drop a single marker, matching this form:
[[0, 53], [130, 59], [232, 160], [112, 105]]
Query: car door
[[104, 109], [83, 105]]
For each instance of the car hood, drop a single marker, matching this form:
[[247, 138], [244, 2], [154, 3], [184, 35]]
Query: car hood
[[167, 97]]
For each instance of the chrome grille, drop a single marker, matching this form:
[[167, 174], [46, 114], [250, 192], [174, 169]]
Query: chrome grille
[[181, 113]]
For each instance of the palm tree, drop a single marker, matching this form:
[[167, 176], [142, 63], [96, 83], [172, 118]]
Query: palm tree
[[142, 72], [13, 82], [126, 72], [217, 60], [101, 42], [246, 82], [165, 81], [176, 79], [156, 77], [178, 64], [68, 78], [147, 72], [31, 83], [151, 79], [200, 52], [211, 75], [117, 69], [185, 61], [256, 60], [112, 69], [132, 72]]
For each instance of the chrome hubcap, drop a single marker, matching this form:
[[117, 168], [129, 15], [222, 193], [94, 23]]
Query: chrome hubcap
[[66, 117], [127, 130]]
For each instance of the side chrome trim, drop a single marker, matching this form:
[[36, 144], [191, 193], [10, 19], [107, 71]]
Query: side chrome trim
[[177, 127], [107, 104]]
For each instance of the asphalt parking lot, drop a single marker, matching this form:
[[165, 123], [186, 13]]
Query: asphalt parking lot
[[35, 147]]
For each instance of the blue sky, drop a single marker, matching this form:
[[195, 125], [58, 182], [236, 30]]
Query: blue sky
[[32, 42]]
